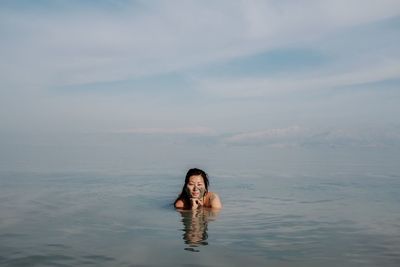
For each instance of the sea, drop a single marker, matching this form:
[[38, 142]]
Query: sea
[[107, 201]]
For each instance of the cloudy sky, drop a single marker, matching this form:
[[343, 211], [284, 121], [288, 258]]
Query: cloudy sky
[[244, 71]]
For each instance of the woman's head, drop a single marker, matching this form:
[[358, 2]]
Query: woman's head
[[196, 184]]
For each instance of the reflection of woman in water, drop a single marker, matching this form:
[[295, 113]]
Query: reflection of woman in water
[[195, 223], [195, 193]]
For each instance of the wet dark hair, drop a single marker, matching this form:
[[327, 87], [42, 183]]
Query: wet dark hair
[[184, 195]]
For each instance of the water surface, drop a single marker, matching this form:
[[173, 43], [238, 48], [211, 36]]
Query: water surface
[[299, 209]]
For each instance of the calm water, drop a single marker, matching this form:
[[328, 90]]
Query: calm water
[[298, 210]]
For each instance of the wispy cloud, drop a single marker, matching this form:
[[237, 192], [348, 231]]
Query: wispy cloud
[[80, 45], [160, 131], [292, 136], [266, 135], [253, 87], [300, 136]]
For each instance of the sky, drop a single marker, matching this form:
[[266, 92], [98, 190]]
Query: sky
[[240, 72]]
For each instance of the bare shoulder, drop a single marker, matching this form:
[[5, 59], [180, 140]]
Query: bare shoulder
[[179, 204], [214, 200], [212, 195]]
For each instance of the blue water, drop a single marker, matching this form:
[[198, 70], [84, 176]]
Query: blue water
[[293, 208]]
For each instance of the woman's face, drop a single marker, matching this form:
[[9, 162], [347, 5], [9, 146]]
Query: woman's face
[[195, 187]]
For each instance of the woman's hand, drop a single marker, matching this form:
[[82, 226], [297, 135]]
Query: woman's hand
[[196, 203]]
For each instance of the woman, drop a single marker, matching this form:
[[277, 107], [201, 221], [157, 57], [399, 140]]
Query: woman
[[195, 192]]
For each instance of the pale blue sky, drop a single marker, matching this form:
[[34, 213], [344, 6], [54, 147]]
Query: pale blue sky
[[242, 71]]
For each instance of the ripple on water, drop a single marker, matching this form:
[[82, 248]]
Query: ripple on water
[[40, 260], [96, 259]]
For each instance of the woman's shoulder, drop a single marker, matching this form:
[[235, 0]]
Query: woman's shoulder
[[213, 200], [211, 195], [179, 204]]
